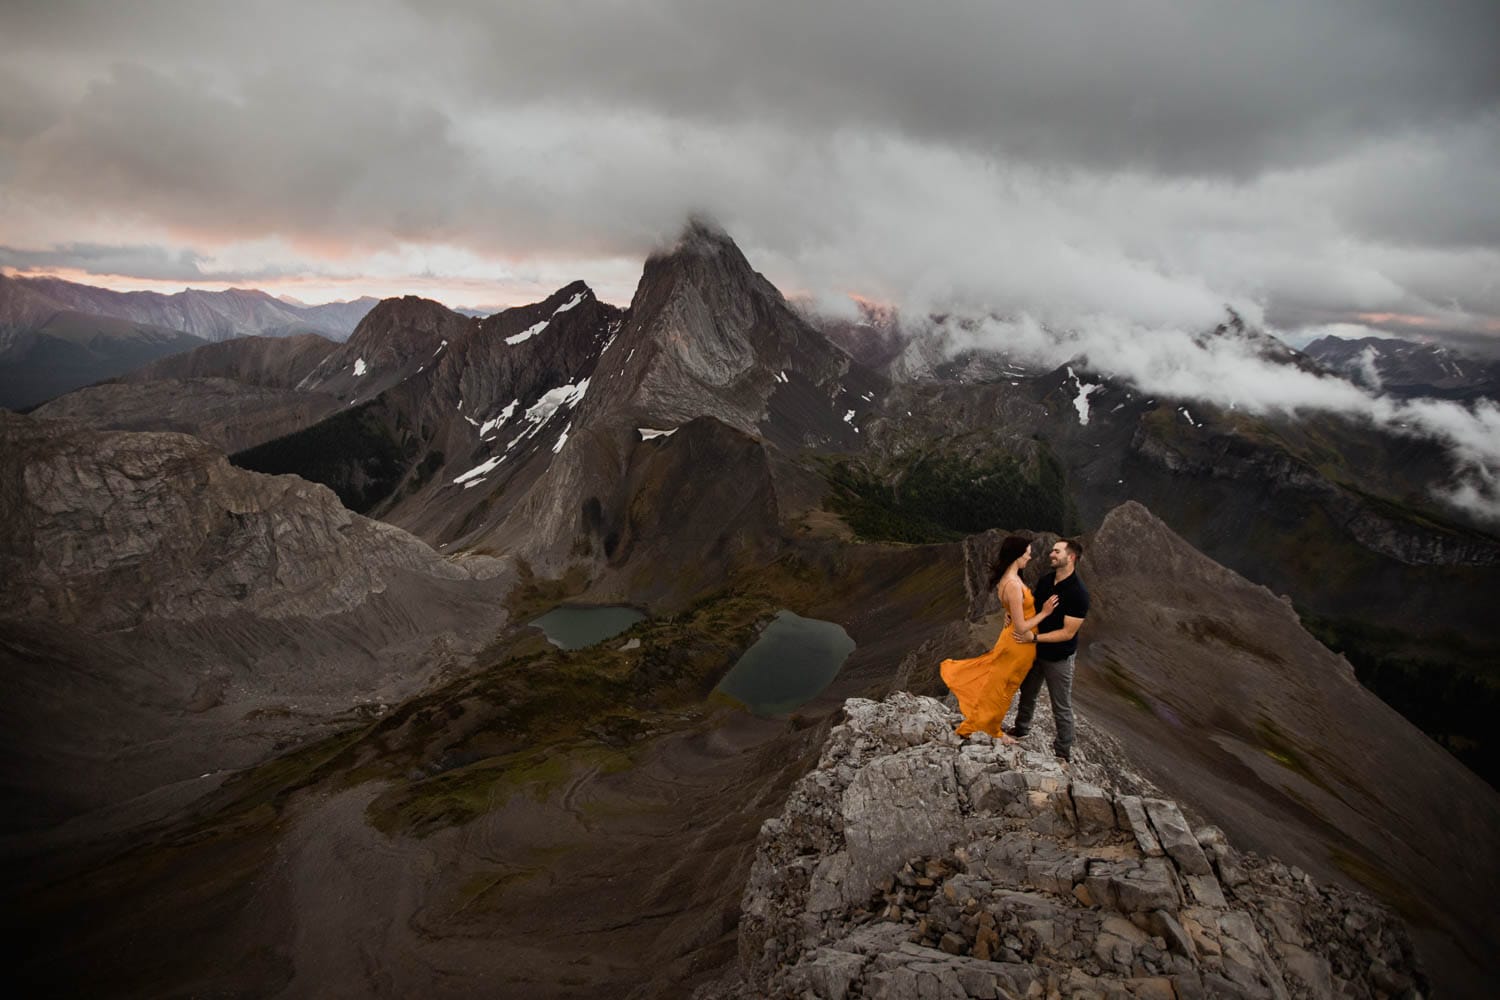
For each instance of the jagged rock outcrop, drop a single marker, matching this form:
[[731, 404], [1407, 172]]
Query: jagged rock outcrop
[[269, 362], [909, 864], [228, 414], [396, 340], [166, 618], [234, 394], [1218, 693], [707, 335], [116, 528]]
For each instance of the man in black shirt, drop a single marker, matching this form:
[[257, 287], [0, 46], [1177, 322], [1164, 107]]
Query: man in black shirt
[[1057, 646]]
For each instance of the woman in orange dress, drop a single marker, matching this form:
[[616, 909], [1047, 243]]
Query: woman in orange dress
[[986, 684]]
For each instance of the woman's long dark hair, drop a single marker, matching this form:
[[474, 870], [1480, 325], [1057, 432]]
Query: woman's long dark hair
[[1010, 550]]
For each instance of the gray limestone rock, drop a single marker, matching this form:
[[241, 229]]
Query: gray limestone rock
[[899, 806], [1094, 808], [1130, 813], [934, 878], [114, 529], [827, 973], [1166, 926], [1176, 836]]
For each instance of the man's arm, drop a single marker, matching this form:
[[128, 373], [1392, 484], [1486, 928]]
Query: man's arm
[[1070, 628]]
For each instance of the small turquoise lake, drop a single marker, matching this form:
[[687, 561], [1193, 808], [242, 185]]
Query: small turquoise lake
[[794, 659], [575, 628]]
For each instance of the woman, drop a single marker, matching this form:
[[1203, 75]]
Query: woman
[[986, 684]]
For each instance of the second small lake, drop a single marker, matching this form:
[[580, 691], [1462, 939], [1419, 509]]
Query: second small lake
[[575, 628], [794, 659]]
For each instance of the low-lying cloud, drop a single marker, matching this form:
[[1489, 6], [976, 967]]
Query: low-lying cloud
[[1232, 372]]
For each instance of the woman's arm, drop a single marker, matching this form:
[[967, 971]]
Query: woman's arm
[[1010, 596], [1047, 607]]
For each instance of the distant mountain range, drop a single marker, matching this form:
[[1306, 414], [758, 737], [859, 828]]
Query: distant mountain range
[[236, 679], [58, 335], [1407, 369]]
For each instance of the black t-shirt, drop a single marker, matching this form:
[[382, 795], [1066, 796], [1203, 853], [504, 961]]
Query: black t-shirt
[[1072, 602]]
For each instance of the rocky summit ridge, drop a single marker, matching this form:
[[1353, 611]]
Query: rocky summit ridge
[[911, 864]]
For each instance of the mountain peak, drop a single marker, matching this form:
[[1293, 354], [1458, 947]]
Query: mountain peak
[[702, 237]]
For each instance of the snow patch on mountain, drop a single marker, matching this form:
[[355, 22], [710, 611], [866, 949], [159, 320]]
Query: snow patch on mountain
[[499, 418], [474, 475], [1081, 401], [529, 332]]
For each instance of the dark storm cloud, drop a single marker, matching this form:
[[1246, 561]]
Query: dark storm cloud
[[1153, 160], [1220, 87], [152, 263], [273, 157]]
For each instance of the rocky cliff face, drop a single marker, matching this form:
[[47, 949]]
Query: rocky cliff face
[[909, 864], [709, 336], [396, 340], [268, 362], [111, 529], [228, 414], [705, 337], [234, 394], [166, 617], [456, 438]]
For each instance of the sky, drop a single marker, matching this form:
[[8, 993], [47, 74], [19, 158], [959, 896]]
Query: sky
[[1314, 164], [1114, 173]]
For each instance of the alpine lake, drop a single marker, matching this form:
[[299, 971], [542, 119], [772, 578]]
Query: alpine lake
[[789, 664], [794, 659]]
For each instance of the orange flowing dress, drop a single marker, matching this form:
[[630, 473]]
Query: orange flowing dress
[[986, 684]]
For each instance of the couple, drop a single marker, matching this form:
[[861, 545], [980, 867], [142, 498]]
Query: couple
[[985, 684]]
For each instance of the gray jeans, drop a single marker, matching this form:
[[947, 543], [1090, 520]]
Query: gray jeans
[[1059, 677]]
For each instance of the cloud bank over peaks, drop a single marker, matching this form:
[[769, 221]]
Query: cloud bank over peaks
[[1236, 372]]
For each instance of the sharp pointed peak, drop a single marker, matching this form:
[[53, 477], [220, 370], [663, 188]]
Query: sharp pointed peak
[[701, 236], [572, 288]]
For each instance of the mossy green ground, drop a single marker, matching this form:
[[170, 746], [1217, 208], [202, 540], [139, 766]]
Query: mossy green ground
[[943, 497]]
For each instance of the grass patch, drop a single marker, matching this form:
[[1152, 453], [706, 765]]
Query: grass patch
[[944, 497], [533, 713], [1122, 684], [458, 796], [1279, 747], [533, 595]]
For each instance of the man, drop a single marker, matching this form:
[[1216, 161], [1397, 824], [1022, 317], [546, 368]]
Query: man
[[1057, 646]]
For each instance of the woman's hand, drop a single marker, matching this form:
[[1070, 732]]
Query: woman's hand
[[1049, 605]]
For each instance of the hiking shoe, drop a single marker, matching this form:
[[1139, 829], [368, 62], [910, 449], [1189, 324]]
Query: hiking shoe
[[1020, 733]]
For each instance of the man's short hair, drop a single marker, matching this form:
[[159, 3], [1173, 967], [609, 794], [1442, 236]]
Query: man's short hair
[[1074, 546]]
